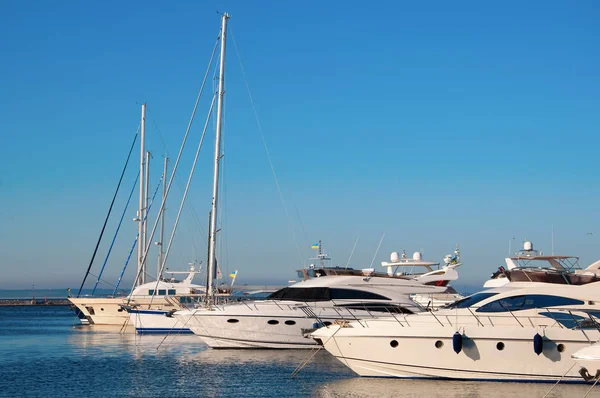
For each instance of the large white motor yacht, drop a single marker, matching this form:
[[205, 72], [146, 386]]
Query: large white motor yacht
[[525, 332], [285, 317]]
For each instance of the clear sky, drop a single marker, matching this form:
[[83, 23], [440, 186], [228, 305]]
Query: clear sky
[[435, 123]]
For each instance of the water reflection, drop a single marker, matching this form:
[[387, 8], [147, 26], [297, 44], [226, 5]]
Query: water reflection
[[41, 349], [375, 387]]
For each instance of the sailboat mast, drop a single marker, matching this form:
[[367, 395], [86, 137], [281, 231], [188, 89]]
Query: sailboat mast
[[213, 220], [146, 200], [140, 213], [162, 220]]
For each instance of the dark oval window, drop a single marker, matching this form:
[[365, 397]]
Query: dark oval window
[[560, 347], [394, 343], [327, 323], [120, 310], [233, 320], [273, 322], [101, 309], [500, 346], [290, 322], [439, 344]]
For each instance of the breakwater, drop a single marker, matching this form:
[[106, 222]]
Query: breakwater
[[31, 301]]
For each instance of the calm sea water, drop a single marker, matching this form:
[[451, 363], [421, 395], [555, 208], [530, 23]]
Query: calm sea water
[[45, 353]]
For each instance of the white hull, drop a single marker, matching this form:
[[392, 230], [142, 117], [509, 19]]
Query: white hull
[[265, 331], [416, 354], [263, 324], [156, 322], [109, 311]]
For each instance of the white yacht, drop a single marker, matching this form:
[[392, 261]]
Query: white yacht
[[329, 294], [525, 332], [530, 265], [160, 295]]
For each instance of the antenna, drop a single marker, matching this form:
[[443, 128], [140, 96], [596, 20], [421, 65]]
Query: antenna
[[377, 251], [351, 253]]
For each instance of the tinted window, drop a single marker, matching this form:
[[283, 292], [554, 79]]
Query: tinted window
[[323, 294], [351, 294], [172, 292], [301, 294], [471, 300], [518, 303], [377, 307], [162, 292], [151, 292], [506, 304]]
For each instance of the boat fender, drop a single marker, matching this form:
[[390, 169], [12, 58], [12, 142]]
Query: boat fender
[[538, 344], [457, 342], [317, 325]]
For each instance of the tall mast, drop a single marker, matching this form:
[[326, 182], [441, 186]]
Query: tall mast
[[213, 219], [162, 220], [146, 199], [140, 213]]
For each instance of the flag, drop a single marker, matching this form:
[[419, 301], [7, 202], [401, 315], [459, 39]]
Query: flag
[[315, 246], [232, 275]]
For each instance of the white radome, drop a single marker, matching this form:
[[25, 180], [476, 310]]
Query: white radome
[[417, 256], [394, 257]]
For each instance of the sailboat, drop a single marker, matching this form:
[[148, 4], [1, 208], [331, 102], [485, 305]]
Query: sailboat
[[147, 320], [162, 294]]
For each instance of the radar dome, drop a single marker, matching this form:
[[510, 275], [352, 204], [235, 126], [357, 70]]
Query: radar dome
[[394, 257], [417, 256], [528, 246]]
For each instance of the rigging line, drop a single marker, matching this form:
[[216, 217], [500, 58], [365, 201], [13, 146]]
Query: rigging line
[[301, 226], [187, 131], [136, 239], [352, 253], [103, 281], [115, 236], [187, 187], [266, 148], [180, 186], [108, 214], [166, 149], [377, 251]]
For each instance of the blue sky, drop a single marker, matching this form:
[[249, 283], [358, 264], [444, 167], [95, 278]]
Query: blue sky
[[435, 123]]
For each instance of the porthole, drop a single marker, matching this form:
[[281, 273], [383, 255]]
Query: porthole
[[101, 309], [232, 320], [394, 343], [327, 323], [120, 310], [500, 346], [290, 322], [560, 347], [273, 322], [439, 344]]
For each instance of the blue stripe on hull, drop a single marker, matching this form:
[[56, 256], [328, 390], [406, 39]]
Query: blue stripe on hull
[[163, 331]]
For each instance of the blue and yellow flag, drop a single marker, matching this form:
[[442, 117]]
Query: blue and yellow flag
[[232, 275], [315, 246]]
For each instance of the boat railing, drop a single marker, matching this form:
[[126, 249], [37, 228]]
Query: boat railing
[[546, 317]]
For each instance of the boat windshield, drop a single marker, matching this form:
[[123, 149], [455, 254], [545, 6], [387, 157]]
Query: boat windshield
[[471, 300], [323, 294]]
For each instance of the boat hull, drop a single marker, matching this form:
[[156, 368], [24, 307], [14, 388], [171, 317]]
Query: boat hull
[[500, 353], [156, 322], [109, 311]]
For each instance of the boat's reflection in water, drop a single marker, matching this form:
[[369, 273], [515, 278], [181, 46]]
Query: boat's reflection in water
[[379, 387], [115, 340]]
